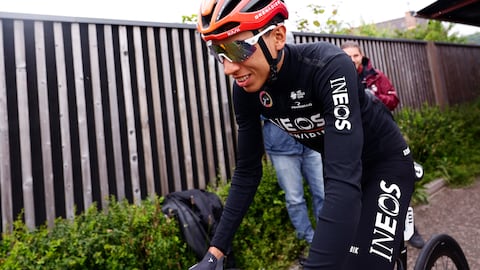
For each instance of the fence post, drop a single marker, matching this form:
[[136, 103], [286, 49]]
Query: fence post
[[437, 73]]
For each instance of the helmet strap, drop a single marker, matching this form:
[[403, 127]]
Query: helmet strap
[[273, 62]]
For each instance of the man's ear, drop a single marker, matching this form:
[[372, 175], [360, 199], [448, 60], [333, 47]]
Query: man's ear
[[280, 34]]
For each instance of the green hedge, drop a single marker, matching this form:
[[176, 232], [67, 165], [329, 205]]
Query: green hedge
[[129, 236], [445, 141], [126, 237], [266, 238]]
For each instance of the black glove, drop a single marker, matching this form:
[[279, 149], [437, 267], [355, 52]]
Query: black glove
[[209, 262]]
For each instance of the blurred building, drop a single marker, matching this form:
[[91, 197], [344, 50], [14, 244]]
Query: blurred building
[[409, 21]]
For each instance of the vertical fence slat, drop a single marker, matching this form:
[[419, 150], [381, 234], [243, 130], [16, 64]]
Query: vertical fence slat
[[417, 74], [437, 78], [168, 91], [64, 119], [98, 113], [395, 74], [229, 145], [130, 115], [24, 124], [193, 108], [409, 83], [5, 176], [114, 114], [213, 94], [157, 108], [406, 57], [398, 79], [82, 115], [43, 103], [182, 109], [205, 113], [143, 104]]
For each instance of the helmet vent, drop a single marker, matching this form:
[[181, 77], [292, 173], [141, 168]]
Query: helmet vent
[[227, 8], [256, 5], [207, 18]]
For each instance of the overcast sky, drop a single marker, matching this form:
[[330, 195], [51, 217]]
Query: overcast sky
[[352, 12]]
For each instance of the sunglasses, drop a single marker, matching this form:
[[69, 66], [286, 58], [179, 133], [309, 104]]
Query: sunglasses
[[236, 51]]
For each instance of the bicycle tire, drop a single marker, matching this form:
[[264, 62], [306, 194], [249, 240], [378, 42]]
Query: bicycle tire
[[441, 249]]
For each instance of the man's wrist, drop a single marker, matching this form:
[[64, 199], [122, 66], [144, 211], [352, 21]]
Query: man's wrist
[[216, 252]]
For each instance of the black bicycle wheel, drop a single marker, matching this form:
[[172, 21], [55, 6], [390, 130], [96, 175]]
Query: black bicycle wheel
[[441, 252]]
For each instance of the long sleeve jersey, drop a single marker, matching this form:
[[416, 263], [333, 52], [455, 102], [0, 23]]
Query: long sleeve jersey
[[317, 99]]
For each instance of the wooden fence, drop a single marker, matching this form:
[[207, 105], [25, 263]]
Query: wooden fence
[[422, 72], [94, 108]]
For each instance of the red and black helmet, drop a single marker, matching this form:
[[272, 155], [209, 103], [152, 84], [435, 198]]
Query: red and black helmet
[[219, 19]]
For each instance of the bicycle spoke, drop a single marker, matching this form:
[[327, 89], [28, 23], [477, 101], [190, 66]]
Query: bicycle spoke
[[444, 263]]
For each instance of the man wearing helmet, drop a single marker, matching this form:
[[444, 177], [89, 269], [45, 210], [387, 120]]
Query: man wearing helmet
[[312, 92]]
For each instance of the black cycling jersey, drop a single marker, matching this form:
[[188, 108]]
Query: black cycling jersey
[[319, 100]]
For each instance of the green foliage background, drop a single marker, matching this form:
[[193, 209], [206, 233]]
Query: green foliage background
[[325, 20], [124, 237], [130, 236], [266, 239]]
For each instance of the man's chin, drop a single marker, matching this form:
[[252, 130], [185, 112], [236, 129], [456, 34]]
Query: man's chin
[[251, 89]]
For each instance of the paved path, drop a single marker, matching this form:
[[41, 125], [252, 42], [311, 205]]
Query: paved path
[[455, 211]]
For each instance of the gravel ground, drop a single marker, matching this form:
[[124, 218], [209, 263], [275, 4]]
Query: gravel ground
[[454, 211]]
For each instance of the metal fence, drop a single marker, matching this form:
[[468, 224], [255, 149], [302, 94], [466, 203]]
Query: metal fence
[[94, 108]]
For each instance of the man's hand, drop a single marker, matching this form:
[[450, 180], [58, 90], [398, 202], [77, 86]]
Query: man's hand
[[209, 262]]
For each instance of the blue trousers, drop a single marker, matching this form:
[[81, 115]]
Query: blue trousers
[[291, 172]]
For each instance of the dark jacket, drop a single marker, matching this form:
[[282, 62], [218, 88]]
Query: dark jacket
[[378, 83]]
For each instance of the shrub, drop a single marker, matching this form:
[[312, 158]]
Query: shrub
[[124, 237], [266, 238], [445, 141], [131, 236]]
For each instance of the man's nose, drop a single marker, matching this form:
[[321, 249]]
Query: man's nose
[[229, 67]]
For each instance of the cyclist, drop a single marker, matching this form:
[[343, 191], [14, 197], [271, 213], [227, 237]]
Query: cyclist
[[311, 91]]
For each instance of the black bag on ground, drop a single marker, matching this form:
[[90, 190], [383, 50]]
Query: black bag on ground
[[198, 213]]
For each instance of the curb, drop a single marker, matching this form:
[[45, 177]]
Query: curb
[[435, 186]]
